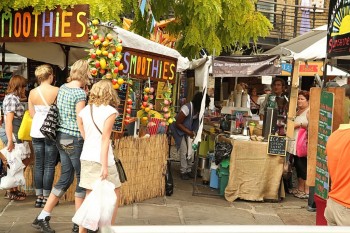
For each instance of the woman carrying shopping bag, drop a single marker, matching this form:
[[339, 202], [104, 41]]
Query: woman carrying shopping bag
[[95, 123], [71, 99], [13, 111], [45, 150]]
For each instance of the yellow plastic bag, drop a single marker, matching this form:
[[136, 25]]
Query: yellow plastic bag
[[24, 129]]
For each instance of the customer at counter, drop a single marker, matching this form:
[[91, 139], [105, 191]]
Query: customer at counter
[[300, 160], [278, 100], [185, 127], [254, 106]]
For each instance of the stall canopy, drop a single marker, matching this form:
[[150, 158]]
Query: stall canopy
[[310, 46], [56, 53], [301, 43]]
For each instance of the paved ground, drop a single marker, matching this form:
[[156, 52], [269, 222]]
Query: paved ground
[[182, 208]]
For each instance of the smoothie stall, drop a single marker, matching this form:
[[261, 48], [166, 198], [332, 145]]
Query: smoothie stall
[[143, 73]]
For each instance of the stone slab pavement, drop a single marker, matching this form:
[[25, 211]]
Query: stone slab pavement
[[182, 208]]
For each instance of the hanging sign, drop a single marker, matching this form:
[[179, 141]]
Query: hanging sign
[[57, 25], [246, 66], [324, 131], [144, 65], [338, 33]]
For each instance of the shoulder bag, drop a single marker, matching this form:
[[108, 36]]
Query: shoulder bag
[[118, 163], [301, 147], [50, 124], [24, 129]]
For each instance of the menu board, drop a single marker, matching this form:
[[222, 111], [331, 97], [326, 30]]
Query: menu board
[[123, 93], [277, 145], [324, 131]]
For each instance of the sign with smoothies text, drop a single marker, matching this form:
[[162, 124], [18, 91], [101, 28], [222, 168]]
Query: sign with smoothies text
[[57, 25], [143, 65]]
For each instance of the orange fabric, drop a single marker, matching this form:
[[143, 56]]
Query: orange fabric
[[338, 157]]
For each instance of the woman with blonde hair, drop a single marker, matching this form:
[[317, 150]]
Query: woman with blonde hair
[[71, 100], [13, 111], [95, 122], [45, 150]]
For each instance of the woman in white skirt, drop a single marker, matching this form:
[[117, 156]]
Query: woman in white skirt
[[95, 123]]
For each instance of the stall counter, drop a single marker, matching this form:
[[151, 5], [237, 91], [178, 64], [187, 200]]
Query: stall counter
[[254, 175]]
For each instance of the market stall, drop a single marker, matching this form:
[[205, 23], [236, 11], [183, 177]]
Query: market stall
[[253, 173], [144, 75]]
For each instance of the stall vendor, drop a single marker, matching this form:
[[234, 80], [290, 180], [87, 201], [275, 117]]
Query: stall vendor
[[278, 100], [185, 127]]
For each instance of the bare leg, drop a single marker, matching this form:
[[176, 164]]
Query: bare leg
[[51, 203], [117, 192], [301, 184], [306, 188]]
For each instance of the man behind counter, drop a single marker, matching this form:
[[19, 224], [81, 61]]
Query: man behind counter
[[278, 87], [279, 101]]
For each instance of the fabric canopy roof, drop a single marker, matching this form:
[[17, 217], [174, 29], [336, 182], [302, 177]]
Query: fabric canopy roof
[[54, 54]]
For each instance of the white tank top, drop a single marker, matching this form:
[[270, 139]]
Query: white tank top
[[39, 117], [38, 120]]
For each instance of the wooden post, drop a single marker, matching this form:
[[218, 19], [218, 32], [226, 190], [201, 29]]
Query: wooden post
[[314, 103], [314, 115], [293, 100]]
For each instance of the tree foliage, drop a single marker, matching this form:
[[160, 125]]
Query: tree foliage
[[211, 24]]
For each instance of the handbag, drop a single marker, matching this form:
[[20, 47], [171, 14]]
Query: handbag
[[118, 163], [301, 147], [50, 124], [24, 129]]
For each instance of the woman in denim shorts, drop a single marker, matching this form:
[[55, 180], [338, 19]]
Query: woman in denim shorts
[[70, 100]]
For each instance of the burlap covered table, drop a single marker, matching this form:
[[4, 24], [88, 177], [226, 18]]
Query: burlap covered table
[[254, 175]]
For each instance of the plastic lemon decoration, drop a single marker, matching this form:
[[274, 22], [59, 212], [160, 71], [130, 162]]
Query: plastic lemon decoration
[[120, 81]]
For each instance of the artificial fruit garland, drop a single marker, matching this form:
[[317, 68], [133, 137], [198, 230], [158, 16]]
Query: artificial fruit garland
[[105, 56]]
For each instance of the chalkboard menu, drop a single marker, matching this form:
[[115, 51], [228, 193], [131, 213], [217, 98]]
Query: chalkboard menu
[[123, 93], [277, 145], [324, 131]]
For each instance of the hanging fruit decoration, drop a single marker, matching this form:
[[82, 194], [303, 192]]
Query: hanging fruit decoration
[[167, 107], [147, 104], [105, 56], [128, 104]]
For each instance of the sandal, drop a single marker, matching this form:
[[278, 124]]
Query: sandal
[[43, 202], [302, 195], [38, 202], [296, 192], [13, 196], [20, 194]]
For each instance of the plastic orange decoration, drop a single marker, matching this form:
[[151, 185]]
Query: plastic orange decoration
[[106, 53]]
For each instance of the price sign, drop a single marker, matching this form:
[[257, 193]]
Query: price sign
[[277, 145]]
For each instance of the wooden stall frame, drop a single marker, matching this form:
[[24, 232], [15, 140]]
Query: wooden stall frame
[[339, 95]]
